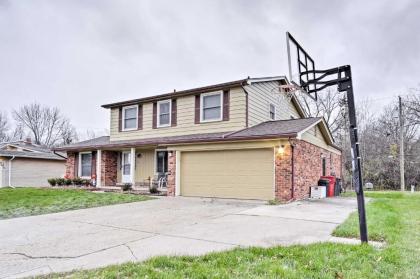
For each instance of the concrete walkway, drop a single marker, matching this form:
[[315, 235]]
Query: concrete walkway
[[97, 237]]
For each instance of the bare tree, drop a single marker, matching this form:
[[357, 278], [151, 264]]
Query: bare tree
[[46, 125], [330, 105], [412, 107], [4, 127]]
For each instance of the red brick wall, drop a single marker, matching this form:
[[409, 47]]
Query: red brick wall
[[171, 173], [70, 165], [307, 169], [283, 174], [109, 162]]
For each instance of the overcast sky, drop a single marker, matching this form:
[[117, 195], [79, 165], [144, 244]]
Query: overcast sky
[[78, 55]]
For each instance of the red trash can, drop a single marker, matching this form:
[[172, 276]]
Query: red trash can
[[331, 185]]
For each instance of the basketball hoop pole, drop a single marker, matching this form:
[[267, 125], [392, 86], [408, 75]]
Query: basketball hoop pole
[[311, 80], [345, 84]]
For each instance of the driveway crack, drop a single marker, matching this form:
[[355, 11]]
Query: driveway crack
[[288, 218], [131, 251], [78, 256]]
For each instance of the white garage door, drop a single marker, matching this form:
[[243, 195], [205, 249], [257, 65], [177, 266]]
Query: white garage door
[[243, 174]]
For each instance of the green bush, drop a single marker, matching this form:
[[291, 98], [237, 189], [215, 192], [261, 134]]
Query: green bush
[[77, 181], [126, 186], [67, 181], [60, 181], [85, 182], [52, 181], [153, 189]]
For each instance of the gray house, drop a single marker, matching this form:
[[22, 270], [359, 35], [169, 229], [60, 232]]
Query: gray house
[[24, 164]]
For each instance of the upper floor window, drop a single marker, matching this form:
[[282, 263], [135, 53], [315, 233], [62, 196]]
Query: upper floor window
[[272, 112], [130, 118], [164, 113], [211, 107], [85, 164]]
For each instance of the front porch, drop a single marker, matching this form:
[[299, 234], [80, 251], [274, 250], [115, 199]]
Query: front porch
[[144, 169]]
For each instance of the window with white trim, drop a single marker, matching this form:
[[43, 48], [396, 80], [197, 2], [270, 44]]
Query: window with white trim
[[211, 107], [272, 112], [85, 164], [130, 115], [164, 113]]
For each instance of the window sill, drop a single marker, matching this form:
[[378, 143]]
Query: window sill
[[210, 121], [129, 130], [163, 126]]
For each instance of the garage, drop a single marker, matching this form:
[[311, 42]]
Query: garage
[[243, 174]]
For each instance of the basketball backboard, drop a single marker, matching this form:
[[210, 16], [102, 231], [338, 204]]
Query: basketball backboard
[[301, 66]]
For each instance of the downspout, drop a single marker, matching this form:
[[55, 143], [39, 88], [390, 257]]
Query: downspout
[[292, 193], [10, 171], [246, 107]]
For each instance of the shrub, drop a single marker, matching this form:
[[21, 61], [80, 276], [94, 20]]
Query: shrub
[[86, 182], [153, 189], [67, 181], [126, 186], [52, 181], [60, 181], [274, 202], [77, 181]]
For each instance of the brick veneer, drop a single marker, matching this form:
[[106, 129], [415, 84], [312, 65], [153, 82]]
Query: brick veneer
[[109, 162], [70, 165], [307, 169], [283, 174], [171, 173]]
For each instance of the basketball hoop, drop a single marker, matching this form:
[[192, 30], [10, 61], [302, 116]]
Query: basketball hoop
[[287, 91]]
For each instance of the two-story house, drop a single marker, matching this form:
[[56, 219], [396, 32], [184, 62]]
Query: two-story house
[[237, 139]]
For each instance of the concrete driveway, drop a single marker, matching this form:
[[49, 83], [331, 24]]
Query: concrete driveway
[[96, 237]]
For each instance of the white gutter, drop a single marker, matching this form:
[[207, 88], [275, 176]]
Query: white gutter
[[10, 171]]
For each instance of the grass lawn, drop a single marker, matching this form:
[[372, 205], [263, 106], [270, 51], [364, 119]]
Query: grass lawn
[[34, 201], [393, 217]]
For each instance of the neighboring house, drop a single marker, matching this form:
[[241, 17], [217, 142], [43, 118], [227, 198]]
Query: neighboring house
[[24, 164], [232, 140]]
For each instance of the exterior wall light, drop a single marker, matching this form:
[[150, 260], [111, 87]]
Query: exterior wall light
[[280, 150]]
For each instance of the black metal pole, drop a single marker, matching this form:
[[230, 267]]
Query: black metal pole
[[356, 164], [345, 84]]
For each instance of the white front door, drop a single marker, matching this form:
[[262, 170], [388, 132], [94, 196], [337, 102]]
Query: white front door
[[126, 167]]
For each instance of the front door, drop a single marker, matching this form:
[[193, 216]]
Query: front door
[[126, 167]]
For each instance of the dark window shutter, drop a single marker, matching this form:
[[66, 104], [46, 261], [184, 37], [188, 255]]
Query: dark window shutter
[[174, 113], [226, 104], [76, 164], [120, 119], [197, 109], [93, 165], [140, 117], [154, 121]]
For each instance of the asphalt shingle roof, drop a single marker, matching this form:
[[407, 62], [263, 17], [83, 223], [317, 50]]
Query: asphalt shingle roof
[[269, 129], [279, 127], [28, 154]]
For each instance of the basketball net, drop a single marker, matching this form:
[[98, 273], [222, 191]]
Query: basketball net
[[287, 91]]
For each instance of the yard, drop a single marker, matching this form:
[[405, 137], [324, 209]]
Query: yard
[[392, 217], [34, 201]]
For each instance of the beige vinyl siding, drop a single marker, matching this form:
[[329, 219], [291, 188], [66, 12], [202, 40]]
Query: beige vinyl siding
[[315, 136], [35, 172], [260, 96], [145, 165], [243, 174], [185, 120]]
